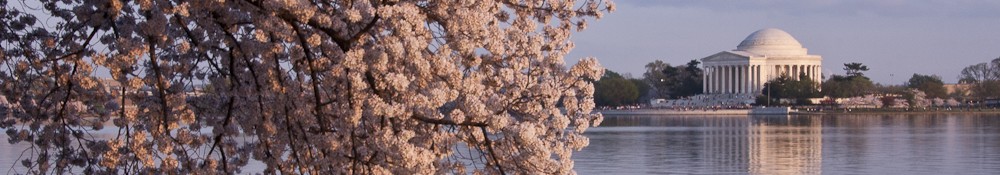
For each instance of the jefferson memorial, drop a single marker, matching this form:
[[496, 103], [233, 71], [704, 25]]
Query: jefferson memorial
[[736, 77], [764, 55]]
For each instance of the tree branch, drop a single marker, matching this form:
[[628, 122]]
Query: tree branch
[[489, 146]]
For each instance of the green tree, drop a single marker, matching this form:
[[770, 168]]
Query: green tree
[[853, 85], [855, 69], [659, 81], [690, 76], [674, 81], [614, 90], [785, 87], [643, 89], [839, 86], [929, 84], [803, 88]]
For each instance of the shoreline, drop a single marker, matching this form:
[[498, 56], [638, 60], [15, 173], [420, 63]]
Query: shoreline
[[898, 112], [749, 112], [706, 111], [675, 112]]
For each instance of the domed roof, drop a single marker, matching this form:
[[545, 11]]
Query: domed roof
[[771, 41]]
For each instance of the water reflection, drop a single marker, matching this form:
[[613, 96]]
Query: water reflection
[[847, 144], [728, 146], [785, 145], [841, 144]]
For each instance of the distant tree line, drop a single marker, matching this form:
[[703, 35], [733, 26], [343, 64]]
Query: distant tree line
[[853, 83], [672, 82], [800, 90], [661, 80], [931, 85], [613, 89], [983, 79]]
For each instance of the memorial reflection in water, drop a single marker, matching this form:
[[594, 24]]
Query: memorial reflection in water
[[831, 144], [782, 145], [767, 145]]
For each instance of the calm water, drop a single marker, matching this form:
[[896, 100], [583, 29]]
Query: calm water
[[848, 144]]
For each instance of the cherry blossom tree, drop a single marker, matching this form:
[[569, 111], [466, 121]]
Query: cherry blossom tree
[[317, 87], [867, 101], [918, 99], [951, 102]]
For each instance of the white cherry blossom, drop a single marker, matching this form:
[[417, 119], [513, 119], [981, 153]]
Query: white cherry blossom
[[303, 87]]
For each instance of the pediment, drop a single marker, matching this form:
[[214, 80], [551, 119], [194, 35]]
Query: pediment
[[728, 56]]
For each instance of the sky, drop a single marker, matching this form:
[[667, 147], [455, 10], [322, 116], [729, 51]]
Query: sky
[[895, 38]]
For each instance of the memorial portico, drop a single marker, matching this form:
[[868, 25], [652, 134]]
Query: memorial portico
[[764, 55]]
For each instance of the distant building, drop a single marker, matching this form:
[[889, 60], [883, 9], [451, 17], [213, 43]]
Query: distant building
[[659, 102], [734, 78], [961, 87], [764, 55]]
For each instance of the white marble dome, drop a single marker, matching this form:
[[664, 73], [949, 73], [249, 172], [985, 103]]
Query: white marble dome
[[763, 56], [771, 41]]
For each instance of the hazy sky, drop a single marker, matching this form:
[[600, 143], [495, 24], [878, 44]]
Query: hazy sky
[[898, 37]]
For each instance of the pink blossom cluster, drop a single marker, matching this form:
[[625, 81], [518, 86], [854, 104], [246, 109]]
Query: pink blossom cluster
[[303, 87]]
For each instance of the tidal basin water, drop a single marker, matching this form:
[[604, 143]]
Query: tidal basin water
[[831, 144]]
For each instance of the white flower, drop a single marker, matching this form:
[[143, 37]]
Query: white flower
[[306, 87], [353, 15]]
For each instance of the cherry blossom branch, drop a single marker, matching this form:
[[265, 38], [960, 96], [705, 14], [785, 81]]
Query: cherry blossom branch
[[314, 78], [344, 44], [446, 122], [489, 145], [550, 10]]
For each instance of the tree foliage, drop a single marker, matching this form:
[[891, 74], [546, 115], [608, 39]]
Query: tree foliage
[[304, 87], [674, 81], [984, 79], [916, 98], [785, 87], [643, 88], [690, 76], [931, 85], [615, 90], [839, 86], [855, 69], [853, 85], [986, 89], [657, 78]]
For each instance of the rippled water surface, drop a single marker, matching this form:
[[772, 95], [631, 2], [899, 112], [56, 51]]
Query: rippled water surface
[[833, 144], [841, 144]]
